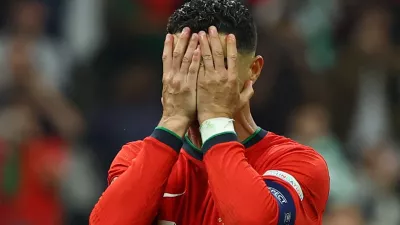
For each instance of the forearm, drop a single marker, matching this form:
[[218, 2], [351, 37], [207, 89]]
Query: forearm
[[238, 190], [240, 193], [134, 197], [60, 111]]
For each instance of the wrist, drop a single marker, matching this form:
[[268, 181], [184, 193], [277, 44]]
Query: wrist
[[208, 116], [216, 126], [176, 124]]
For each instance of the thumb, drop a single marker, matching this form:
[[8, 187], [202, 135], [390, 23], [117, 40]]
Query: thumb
[[246, 93]]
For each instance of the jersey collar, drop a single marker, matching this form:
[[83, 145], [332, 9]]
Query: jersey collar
[[196, 153]]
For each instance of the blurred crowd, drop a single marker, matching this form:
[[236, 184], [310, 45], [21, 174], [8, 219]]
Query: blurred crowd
[[79, 78]]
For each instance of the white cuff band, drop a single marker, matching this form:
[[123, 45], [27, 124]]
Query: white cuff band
[[215, 126]]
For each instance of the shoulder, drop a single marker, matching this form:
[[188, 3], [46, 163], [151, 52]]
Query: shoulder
[[301, 166], [296, 172], [124, 159], [282, 151], [300, 159]]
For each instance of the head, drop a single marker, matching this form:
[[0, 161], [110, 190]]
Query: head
[[28, 16], [230, 17]]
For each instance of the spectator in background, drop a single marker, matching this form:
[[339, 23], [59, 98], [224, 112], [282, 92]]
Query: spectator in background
[[26, 28], [365, 97], [344, 216], [31, 168], [311, 21], [33, 152], [83, 27], [37, 122], [27, 68], [360, 80], [381, 166]]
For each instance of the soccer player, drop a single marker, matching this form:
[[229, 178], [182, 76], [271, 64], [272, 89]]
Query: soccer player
[[228, 170]]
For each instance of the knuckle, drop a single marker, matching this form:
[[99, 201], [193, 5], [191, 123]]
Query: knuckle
[[233, 57], [176, 54], [166, 77], [219, 53], [212, 81], [192, 70], [176, 82], [185, 88], [186, 59], [224, 78], [195, 58], [207, 57], [201, 84], [164, 57]]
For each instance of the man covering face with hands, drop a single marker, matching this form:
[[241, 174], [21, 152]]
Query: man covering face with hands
[[207, 162]]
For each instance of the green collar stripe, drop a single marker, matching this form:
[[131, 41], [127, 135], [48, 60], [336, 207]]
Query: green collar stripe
[[252, 136], [169, 131], [191, 143]]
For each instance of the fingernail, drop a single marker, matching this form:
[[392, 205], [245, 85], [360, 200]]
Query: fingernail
[[213, 30], [185, 30], [231, 37], [202, 34], [167, 37], [194, 36]]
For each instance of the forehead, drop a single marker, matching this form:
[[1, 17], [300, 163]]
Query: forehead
[[222, 38]]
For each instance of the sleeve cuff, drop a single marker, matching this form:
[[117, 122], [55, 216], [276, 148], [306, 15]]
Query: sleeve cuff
[[218, 139], [168, 137]]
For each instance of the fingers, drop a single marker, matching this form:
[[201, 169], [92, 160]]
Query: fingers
[[216, 48], [167, 53], [246, 93], [232, 55], [187, 59], [194, 67], [206, 52], [202, 72], [180, 49]]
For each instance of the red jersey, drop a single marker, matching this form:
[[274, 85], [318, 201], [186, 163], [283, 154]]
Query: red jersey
[[268, 180]]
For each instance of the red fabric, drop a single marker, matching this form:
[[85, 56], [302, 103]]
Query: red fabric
[[231, 170], [37, 203], [226, 188], [142, 169]]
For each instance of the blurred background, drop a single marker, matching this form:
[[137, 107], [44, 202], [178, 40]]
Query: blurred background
[[79, 78]]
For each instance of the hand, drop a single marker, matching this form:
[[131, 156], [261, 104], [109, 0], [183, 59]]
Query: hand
[[180, 81], [21, 66], [218, 91]]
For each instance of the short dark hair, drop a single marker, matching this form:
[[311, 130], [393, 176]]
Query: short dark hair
[[229, 16]]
